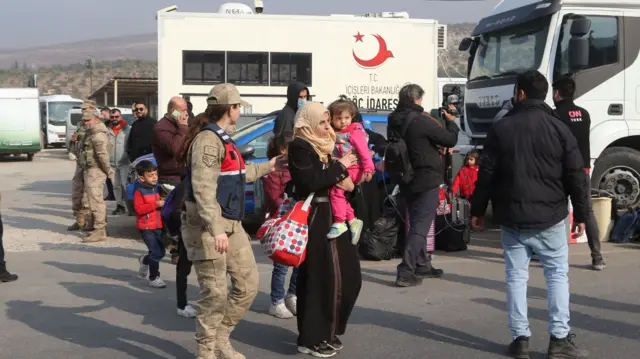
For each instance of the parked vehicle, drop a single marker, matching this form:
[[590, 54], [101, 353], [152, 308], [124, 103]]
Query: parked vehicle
[[54, 113], [19, 122]]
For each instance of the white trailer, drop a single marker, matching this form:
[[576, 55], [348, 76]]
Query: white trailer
[[366, 58], [597, 42]]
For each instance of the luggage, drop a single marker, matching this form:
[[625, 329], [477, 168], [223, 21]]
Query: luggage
[[379, 242], [453, 230]]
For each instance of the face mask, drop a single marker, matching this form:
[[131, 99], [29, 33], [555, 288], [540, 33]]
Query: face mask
[[301, 102]]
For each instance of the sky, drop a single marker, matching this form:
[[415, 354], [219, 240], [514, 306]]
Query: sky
[[57, 21]]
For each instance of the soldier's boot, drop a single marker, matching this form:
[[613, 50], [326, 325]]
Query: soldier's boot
[[76, 227], [97, 235], [224, 350], [89, 226], [206, 351], [5, 276]]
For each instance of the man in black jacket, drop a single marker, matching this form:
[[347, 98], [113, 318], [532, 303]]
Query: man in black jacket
[[579, 122], [423, 136], [530, 163], [297, 95], [139, 140]]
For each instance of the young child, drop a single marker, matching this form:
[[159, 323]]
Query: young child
[[465, 181], [274, 184], [350, 136], [147, 204]]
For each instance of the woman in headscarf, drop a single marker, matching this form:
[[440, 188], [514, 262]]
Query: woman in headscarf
[[329, 279]]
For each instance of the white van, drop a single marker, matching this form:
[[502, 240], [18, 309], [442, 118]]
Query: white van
[[75, 116], [19, 122]]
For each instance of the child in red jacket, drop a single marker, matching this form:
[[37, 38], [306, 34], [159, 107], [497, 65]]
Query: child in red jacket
[[147, 204], [465, 181]]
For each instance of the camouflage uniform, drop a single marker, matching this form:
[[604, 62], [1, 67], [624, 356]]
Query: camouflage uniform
[[79, 202], [218, 312], [95, 160]]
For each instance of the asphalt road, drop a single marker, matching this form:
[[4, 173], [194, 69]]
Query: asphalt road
[[77, 301]]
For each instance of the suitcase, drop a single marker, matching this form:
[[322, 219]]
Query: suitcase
[[453, 230]]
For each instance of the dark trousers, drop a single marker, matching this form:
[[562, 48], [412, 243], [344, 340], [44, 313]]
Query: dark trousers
[[422, 212], [183, 269], [153, 240], [591, 225], [110, 192], [1, 244]]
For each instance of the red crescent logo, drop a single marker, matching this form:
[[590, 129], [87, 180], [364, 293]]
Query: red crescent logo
[[382, 55]]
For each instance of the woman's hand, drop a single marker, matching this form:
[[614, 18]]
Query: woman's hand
[[349, 159], [346, 185], [222, 243], [279, 163]]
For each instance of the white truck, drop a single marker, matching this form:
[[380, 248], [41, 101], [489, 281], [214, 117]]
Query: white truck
[[597, 42], [364, 57], [54, 112], [19, 122]]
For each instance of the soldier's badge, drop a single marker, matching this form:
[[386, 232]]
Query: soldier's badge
[[209, 150], [208, 160]]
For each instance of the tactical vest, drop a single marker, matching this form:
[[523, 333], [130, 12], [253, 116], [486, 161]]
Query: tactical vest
[[87, 156], [79, 145], [231, 179]]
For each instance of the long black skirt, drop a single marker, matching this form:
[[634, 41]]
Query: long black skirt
[[329, 281]]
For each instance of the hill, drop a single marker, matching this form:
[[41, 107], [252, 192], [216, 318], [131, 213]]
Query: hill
[[61, 68]]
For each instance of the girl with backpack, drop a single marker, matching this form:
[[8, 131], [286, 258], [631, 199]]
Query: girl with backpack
[[283, 307]]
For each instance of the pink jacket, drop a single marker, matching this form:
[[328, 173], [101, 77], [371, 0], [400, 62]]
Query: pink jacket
[[354, 136]]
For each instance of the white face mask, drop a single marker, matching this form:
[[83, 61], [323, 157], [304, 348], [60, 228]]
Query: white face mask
[[301, 102]]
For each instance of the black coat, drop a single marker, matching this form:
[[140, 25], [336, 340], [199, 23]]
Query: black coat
[[139, 141], [423, 137], [530, 164], [285, 120], [579, 122]]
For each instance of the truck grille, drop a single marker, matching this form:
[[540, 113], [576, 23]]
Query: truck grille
[[479, 119]]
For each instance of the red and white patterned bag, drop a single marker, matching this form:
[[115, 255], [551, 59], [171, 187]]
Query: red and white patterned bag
[[285, 237]]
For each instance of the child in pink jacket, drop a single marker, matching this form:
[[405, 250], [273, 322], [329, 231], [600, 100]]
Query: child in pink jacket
[[351, 136]]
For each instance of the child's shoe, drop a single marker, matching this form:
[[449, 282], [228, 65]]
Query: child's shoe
[[337, 229], [187, 312], [356, 226], [280, 310], [143, 271], [157, 283]]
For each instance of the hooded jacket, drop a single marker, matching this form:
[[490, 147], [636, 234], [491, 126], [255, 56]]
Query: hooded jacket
[[285, 120], [530, 163], [423, 137]]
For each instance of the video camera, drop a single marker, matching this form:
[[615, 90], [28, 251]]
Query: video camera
[[455, 100]]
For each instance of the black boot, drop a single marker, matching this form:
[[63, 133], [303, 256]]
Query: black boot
[[565, 348], [410, 280], [519, 348], [5, 276]]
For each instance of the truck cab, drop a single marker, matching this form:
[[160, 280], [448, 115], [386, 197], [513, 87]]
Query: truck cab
[[595, 42]]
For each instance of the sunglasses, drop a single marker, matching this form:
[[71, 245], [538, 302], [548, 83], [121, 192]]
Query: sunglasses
[[115, 117], [140, 109]]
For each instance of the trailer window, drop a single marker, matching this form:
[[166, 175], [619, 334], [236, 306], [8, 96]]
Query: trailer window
[[202, 67], [288, 67], [248, 68]]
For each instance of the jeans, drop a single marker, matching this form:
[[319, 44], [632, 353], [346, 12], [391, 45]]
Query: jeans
[[120, 184], [153, 240], [1, 244], [591, 225], [183, 269], [422, 212], [551, 246], [278, 278]]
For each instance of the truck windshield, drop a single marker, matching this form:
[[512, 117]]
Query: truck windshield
[[516, 48], [59, 112]]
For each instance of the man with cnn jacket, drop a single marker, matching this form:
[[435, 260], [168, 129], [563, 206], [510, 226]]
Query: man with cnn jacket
[[530, 165]]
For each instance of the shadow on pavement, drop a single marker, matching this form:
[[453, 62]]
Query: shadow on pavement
[[144, 303], [49, 187], [71, 325], [30, 223], [578, 320], [110, 251]]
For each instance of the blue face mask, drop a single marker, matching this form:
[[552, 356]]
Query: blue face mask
[[301, 102]]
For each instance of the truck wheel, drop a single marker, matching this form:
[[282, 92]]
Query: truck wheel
[[30, 156], [617, 171]]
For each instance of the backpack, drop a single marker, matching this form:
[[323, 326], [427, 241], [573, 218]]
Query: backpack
[[625, 227], [172, 210], [396, 157]]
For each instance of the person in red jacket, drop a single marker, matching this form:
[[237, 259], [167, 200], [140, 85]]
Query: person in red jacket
[[465, 182], [282, 306], [147, 205]]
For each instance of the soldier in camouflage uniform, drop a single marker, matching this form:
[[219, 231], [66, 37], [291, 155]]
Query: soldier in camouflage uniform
[[95, 162], [80, 204], [212, 230]]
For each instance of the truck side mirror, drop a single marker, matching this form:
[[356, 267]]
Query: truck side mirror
[[465, 44], [580, 26], [578, 53]]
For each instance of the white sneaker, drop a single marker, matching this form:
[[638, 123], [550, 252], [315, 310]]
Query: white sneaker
[[157, 283], [280, 311], [291, 302], [187, 312], [143, 272]]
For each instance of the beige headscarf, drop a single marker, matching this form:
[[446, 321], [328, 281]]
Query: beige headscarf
[[307, 120]]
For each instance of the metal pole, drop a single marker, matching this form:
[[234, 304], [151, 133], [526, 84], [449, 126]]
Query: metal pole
[[115, 93]]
